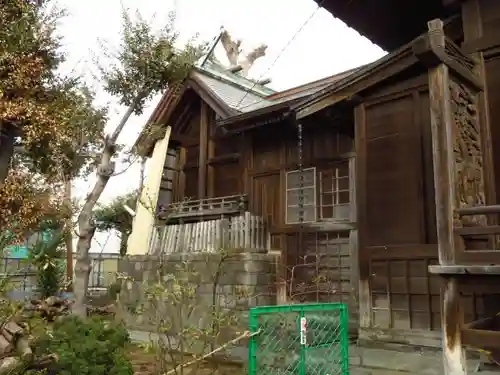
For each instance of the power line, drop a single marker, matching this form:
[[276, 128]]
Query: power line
[[281, 52]]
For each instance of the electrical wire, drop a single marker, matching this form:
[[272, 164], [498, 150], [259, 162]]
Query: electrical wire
[[281, 52]]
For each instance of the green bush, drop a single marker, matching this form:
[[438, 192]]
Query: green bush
[[49, 260], [87, 347]]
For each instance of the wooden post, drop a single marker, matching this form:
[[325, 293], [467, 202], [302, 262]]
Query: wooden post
[[181, 180], [363, 258], [211, 169], [444, 183], [202, 165]]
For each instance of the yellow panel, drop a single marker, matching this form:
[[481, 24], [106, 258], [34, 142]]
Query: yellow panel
[[144, 219]]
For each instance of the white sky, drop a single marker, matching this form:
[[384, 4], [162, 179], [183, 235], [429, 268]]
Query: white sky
[[325, 46]]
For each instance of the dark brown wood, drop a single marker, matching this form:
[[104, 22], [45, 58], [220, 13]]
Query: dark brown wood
[[479, 42], [479, 210], [468, 231], [228, 158], [364, 78], [361, 204], [445, 196], [441, 125], [181, 187], [394, 118], [394, 24], [210, 155], [465, 270], [473, 29], [203, 157]]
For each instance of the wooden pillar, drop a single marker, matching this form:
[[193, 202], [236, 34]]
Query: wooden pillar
[[246, 160], [202, 161], [210, 168], [363, 258], [444, 183], [181, 179]]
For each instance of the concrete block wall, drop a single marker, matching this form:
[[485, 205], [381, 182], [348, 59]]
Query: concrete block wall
[[236, 281]]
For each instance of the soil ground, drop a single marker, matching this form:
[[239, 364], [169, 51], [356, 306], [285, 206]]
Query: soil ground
[[363, 361]]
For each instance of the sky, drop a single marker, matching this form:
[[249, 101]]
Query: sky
[[296, 54]]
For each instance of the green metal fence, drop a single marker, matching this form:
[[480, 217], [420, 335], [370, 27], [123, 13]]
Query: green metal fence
[[310, 339]]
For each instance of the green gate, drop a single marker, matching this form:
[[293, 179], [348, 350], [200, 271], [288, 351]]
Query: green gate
[[309, 339]]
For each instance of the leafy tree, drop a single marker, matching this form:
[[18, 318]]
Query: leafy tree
[[146, 62], [50, 118], [56, 122], [25, 201], [114, 216], [48, 256], [28, 59]]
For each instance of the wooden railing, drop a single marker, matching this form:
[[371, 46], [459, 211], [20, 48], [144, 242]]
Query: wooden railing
[[206, 207], [244, 231]]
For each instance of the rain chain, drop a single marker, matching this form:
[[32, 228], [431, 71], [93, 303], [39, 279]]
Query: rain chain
[[301, 175]]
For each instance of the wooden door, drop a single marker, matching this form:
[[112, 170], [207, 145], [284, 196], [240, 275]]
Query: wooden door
[[267, 197]]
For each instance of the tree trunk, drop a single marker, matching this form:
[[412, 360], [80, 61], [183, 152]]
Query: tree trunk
[[86, 227], [124, 236], [6, 152], [142, 177], [68, 237]]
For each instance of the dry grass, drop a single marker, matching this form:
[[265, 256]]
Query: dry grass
[[146, 364]]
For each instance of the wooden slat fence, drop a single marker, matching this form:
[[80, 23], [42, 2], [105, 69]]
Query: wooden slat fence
[[242, 231]]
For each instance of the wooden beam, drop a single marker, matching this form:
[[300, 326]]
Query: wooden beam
[[182, 119], [442, 150], [210, 168], [360, 196], [444, 182], [478, 42], [203, 157], [465, 270], [181, 180], [348, 88]]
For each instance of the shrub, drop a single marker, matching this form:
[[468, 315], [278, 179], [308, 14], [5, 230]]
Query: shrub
[[48, 258], [87, 347]]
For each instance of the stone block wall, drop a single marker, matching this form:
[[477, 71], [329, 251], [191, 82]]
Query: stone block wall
[[192, 287]]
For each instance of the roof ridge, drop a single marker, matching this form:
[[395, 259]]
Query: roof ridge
[[311, 84], [228, 77]]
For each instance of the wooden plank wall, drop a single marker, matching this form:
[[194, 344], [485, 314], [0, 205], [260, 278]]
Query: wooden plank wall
[[399, 299], [255, 163], [396, 215], [319, 261]]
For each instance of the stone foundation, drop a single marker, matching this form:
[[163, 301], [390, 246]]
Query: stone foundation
[[191, 288]]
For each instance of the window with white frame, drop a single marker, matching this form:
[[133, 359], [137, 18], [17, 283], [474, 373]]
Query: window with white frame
[[328, 199], [335, 193], [294, 191]]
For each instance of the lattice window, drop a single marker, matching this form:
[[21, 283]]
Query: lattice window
[[334, 193], [293, 192]]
